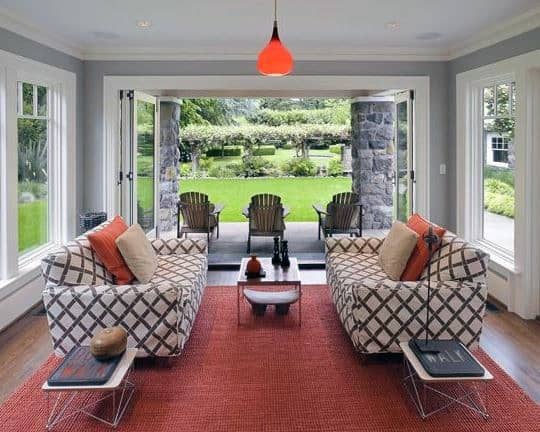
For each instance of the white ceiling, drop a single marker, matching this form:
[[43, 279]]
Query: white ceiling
[[310, 28]]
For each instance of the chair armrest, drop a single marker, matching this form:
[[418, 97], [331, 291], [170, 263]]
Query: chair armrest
[[180, 246], [218, 208], [245, 212], [361, 245], [286, 211], [319, 209]]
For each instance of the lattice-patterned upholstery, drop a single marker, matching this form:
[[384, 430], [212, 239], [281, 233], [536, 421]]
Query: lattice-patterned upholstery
[[378, 313], [80, 297]]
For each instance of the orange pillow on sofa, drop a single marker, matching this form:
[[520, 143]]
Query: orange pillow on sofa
[[420, 254], [104, 244]]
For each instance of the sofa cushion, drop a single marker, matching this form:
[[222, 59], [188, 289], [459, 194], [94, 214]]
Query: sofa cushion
[[420, 254], [396, 249], [138, 253], [352, 267], [104, 243], [181, 269]]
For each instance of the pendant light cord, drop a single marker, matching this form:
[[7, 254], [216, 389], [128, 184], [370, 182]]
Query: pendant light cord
[[275, 10]]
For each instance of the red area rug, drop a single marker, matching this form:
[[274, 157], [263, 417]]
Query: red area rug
[[271, 375]]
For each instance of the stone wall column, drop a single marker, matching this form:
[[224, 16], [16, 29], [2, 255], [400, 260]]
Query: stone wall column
[[372, 124], [169, 117]]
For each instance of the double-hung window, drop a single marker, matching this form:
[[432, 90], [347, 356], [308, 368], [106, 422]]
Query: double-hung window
[[37, 161]]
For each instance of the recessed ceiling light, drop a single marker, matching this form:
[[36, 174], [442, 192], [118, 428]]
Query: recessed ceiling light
[[392, 25], [144, 24], [428, 36]]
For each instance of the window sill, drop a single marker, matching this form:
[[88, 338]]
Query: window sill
[[29, 270], [501, 262]]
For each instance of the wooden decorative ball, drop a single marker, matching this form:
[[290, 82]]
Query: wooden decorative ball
[[109, 342]]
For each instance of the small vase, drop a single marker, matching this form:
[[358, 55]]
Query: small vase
[[285, 262], [254, 265], [276, 259]]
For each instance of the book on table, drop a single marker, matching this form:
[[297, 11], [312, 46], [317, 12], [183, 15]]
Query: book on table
[[81, 368]]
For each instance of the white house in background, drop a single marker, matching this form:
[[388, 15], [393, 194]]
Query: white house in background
[[499, 150]]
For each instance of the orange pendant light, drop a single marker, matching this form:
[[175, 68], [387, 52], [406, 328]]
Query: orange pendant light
[[275, 59]]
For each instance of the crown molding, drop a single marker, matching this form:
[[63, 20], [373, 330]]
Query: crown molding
[[491, 36], [11, 22], [216, 54], [497, 33]]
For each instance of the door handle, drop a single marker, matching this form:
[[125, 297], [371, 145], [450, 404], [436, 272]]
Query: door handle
[[129, 176]]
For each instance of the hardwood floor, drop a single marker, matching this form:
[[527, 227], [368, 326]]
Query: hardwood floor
[[512, 342]]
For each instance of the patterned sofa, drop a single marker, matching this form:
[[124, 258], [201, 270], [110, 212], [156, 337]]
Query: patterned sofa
[[378, 313], [80, 297]]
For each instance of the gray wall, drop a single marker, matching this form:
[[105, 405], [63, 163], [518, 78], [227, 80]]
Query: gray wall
[[437, 71], [521, 44], [442, 96], [25, 47]]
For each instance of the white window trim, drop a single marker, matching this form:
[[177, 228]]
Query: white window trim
[[62, 133], [523, 270]]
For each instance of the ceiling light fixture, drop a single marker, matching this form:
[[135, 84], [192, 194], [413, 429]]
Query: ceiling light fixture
[[144, 24], [275, 59]]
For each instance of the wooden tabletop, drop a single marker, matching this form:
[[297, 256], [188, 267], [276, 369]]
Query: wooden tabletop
[[275, 275]]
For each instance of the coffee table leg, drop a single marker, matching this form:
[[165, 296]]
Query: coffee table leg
[[300, 305], [238, 304]]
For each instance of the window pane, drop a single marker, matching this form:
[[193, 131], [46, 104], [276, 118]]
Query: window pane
[[498, 173], [503, 99], [489, 101], [28, 99], [513, 99], [145, 165], [42, 101], [32, 184]]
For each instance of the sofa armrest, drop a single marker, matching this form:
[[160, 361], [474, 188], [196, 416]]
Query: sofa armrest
[[180, 246], [398, 310], [149, 313], [361, 245]]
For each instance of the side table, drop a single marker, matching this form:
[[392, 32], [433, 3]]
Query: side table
[[118, 389], [424, 389]]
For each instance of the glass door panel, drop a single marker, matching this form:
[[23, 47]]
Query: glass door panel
[[404, 174]]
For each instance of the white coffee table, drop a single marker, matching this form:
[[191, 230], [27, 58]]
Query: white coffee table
[[118, 389], [263, 290], [469, 392]]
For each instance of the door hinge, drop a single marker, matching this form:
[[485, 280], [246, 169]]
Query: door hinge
[[411, 94], [412, 175], [120, 178], [130, 94]]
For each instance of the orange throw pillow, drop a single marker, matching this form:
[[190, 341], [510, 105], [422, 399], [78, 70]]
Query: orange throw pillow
[[104, 244], [420, 254]]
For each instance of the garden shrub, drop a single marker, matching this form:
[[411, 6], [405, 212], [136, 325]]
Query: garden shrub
[[220, 171], [498, 197], [318, 145], [335, 168], [185, 170], [205, 164], [505, 175], [37, 190], [336, 149], [227, 151], [300, 167], [256, 166], [288, 146], [264, 151]]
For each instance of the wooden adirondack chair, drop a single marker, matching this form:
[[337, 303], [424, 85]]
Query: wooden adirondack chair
[[198, 215], [343, 215], [266, 216]]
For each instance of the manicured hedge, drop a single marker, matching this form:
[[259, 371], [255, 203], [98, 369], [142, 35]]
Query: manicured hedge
[[336, 149], [264, 151], [334, 115], [255, 135], [226, 151]]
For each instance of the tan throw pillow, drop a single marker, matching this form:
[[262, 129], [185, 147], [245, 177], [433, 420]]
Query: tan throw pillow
[[396, 250], [138, 253]]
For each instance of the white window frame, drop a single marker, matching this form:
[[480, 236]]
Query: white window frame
[[505, 143], [62, 160], [521, 269]]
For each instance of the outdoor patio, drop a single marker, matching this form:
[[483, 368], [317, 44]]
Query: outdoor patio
[[231, 245]]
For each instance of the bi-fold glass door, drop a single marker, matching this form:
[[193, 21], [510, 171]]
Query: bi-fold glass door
[[139, 159], [404, 156]]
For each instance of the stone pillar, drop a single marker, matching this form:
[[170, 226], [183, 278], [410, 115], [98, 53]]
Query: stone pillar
[[169, 117], [372, 124]]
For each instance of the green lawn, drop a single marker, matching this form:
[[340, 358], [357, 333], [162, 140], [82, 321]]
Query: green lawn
[[33, 230], [297, 193]]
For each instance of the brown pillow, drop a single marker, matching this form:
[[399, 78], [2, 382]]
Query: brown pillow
[[138, 253], [396, 250]]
